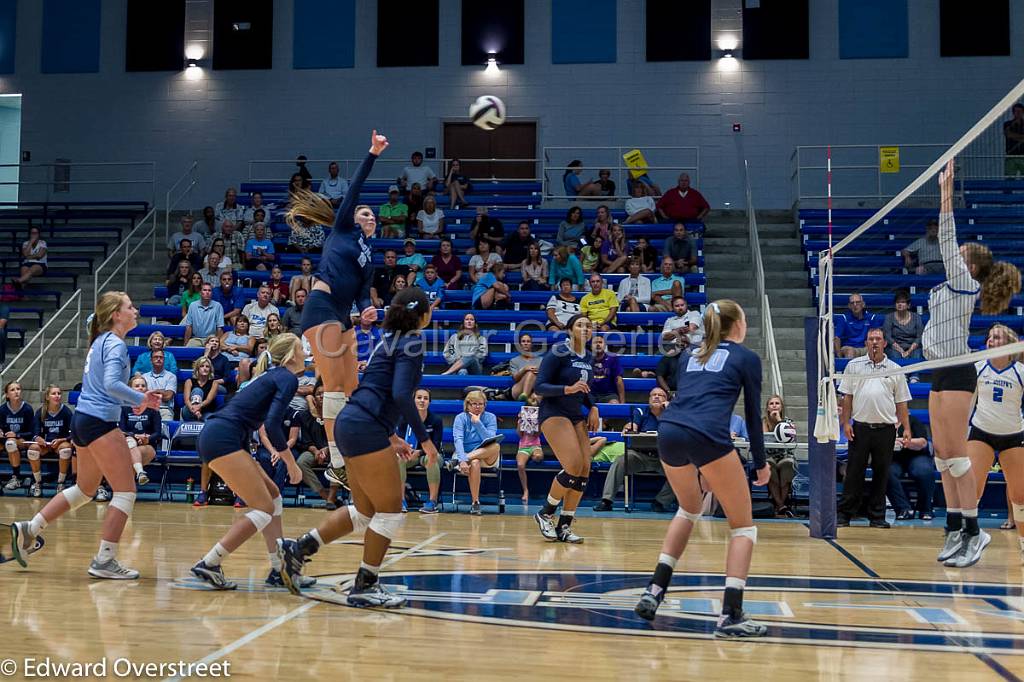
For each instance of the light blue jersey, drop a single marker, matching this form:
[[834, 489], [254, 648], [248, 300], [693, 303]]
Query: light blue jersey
[[105, 387]]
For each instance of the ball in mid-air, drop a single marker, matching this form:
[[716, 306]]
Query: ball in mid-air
[[487, 112]]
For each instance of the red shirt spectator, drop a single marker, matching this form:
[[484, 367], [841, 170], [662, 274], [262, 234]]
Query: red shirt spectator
[[683, 202]]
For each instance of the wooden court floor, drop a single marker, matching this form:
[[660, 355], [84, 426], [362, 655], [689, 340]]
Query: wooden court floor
[[490, 600]]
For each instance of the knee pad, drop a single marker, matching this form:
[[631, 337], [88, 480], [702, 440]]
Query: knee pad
[[33, 455], [959, 466], [683, 514], [941, 464], [334, 403], [64, 453], [1018, 512], [123, 501], [132, 443], [75, 497], [565, 479], [580, 484], [278, 506], [386, 524], [11, 445], [260, 519], [746, 532], [360, 522]]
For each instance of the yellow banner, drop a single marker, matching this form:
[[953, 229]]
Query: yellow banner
[[636, 162], [889, 159]]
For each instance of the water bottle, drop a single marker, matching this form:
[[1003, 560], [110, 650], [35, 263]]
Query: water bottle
[[189, 485], [302, 499], [501, 501]]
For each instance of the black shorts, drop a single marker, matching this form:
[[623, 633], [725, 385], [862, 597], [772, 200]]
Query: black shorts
[[28, 264], [221, 437], [321, 308], [357, 435], [999, 443], [86, 429], [679, 446], [545, 414], [959, 378]]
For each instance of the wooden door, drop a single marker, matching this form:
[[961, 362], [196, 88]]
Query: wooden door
[[513, 140]]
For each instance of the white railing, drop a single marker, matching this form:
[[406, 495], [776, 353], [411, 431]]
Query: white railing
[[191, 178], [664, 166], [388, 169], [74, 323], [124, 252], [77, 181], [767, 330]]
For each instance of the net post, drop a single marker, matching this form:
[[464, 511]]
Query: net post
[[821, 457]]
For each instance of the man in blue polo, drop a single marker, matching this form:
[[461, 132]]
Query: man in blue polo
[[205, 317], [231, 298], [852, 328]]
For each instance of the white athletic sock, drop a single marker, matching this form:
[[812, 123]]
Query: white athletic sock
[[275, 561], [315, 534], [367, 567], [951, 510], [735, 583], [970, 513], [37, 525], [38, 475], [337, 461], [138, 467], [108, 551], [215, 555], [1020, 541], [553, 501], [668, 560], [566, 512], [61, 477]]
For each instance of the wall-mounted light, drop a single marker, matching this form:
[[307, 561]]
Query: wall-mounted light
[[728, 42], [492, 65], [194, 52]]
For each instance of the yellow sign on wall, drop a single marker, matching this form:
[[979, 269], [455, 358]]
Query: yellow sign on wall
[[889, 159]]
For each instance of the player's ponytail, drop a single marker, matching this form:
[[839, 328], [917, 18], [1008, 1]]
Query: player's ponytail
[[719, 319], [405, 314], [103, 318], [280, 351], [1002, 283], [308, 208]]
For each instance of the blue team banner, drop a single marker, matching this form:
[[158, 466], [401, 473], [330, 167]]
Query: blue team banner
[[71, 36], [583, 32], [873, 29], [324, 34]]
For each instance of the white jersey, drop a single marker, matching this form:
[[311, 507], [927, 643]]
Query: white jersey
[[999, 397], [950, 304]]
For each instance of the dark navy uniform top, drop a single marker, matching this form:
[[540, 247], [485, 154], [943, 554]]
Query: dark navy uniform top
[[147, 423], [385, 392], [347, 261], [433, 425], [706, 396], [264, 401], [562, 367], [54, 426], [21, 422]]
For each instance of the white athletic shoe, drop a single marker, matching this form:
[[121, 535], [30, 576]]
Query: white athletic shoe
[[951, 547], [12, 484], [60, 486], [23, 542], [36, 490], [374, 595], [112, 570], [565, 534], [970, 553], [102, 494], [734, 628], [141, 478], [546, 525]]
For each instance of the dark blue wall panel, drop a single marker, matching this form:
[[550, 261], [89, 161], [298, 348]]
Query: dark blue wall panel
[[872, 29], [8, 28], [583, 32], [71, 36], [324, 34]]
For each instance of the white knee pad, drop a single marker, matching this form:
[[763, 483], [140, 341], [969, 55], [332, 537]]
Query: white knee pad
[[123, 501], [683, 514], [1018, 512], [360, 522], [941, 464], [132, 443], [75, 497], [334, 402], [278, 505], [64, 453], [33, 455], [386, 524], [746, 532], [260, 519], [959, 466], [11, 445]]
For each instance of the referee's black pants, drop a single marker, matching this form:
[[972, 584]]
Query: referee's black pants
[[874, 442]]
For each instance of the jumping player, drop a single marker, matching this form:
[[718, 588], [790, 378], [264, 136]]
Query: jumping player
[[53, 421]]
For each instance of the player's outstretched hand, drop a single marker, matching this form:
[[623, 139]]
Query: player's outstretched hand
[[763, 474], [369, 315], [378, 143]]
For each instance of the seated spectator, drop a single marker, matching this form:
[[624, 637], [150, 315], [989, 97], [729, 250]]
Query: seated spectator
[[201, 390], [234, 244], [648, 255], [574, 186], [535, 270], [393, 216], [615, 252], [923, 257], [456, 185], [333, 186], [257, 311], [237, 343], [384, 278], [432, 285], [397, 284], [414, 198], [141, 431], [471, 428], [274, 327], [187, 231], [212, 271], [192, 293], [914, 459], [217, 246], [178, 282], [299, 181], [646, 183], [144, 363], [483, 262], [851, 329], [514, 249], [487, 228], [529, 449], [602, 224], [185, 253], [249, 231], [600, 305], [160, 378], [781, 461], [303, 280], [634, 292], [279, 294], [229, 208], [18, 424], [449, 266], [33, 258], [208, 224], [430, 219], [203, 318], [738, 428], [490, 291], [590, 255], [903, 329], [312, 444], [667, 287], [565, 265], [411, 259], [231, 298], [292, 320], [680, 249], [259, 346], [640, 207], [572, 229], [219, 361], [435, 430], [368, 335], [249, 216], [562, 306], [275, 470], [417, 174], [606, 386], [683, 203], [683, 331], [307, 239], [604, 179], [524, 369], [259, 251], [666, 373], [466, 349]]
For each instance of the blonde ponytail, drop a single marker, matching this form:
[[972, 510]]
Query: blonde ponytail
[[308, 208], [103, 317], [719, 318], [280, 351]]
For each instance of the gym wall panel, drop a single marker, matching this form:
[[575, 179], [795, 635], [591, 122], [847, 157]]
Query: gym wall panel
[[324, 34], [155, 36], [492, 27], [71, 36], [407, 33], [678, 30], [776, 29], [873, 29], [8, 29], [243, 34], [583, 32], [974, 29]]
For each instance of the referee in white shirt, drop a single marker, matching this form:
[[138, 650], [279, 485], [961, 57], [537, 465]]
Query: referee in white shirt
[[876, 406]]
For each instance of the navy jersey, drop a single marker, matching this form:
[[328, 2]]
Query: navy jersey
[[560, 368], [147, 423], [263, 401], [706, 396], [347, 261], [54, 426], [21, 421], [433, 425], [385, 392]]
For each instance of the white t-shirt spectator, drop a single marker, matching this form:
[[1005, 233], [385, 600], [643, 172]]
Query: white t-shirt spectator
[[198, 243], [637, 204], [691, 317], [639, 288], [333, 189], [431, 222], [225, 264], [37, 253], [258, 317], [418, 174], [563, 309], [165, 381], [476, 263]]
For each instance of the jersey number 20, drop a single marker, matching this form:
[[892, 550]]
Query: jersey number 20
[[714, 364]]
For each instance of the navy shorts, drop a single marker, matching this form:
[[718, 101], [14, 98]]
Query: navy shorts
[[27, 264], [321, 308], [221, 437], [86, 429], [998, 442], [679, 446], [959, 378], [358, 435], [547, 413]]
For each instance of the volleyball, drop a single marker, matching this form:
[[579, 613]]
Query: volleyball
[[785, 432], [487, 112]]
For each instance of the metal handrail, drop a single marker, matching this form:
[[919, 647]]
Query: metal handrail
[[128, 253], [767, 329], [50, 178], [621, 170], [191, 175], [348, 166], [40, 336]]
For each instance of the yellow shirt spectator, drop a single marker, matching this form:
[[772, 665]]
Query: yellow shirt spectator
[[598, 303]]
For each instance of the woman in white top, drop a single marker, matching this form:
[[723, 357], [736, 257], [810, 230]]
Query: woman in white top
[[535, 270], [430, 219], [466, 350], [640, 207], [970, 272], [33, 258]]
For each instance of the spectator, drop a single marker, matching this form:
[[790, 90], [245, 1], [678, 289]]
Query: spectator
[[259, 251], [219, 361], [292, 320], [33, 258], [615, 252], [781, 461], [201, 390], [466, 349], [413, 261], [685, 329], [640, 207], [303, 172], [487, 228], [256, 204], [217, 246], [515, 247], [738, 428], [192, 293], [273, 328], [634, 292], [384, 277], [279, 294], [574, 186], [393, 215], [590, 255], [257, 311], [368, 335], [432, 285], [142, 433], [234, 243], [5, 314], [649, 187], [456, 185], [397, 284], [237, 343], [208, 225], [529, 449], [604, 179], [435, 430], [606, 386], [185, 253], [683, 203], [666, 372], [483, 262], [307, 239], [297, 182], [602, 224], [312, 443], [259, 346], [187, 231], [212, 272], [562, 306], [902, 329], [667, 287], [490, 291], [231, 298], [876, 406], [923, 256], [565, 265], [417, 174], [851, 328], [154, 342], [414, 198], [430, 220], [160, 378], [523, 368], [572, 229], [334, 187], [18, 424], [534, 269], [648, 255], [913, 458], [600, 305], [449, 266], [303, 280], [229, 208], [471, 429], [680, 249], [204, 318], [1013, 131]]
